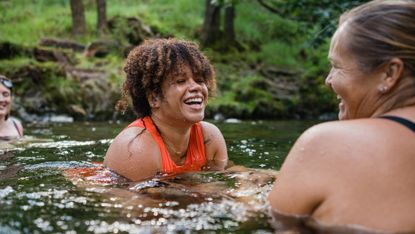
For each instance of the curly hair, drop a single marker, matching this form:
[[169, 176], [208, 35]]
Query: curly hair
[[150, 63]]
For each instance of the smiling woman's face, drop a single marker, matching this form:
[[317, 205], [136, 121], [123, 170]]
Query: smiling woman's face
[[184, 97], [5, 101], [356, 90]]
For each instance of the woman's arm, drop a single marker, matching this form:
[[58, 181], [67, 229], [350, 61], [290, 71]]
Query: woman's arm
[[215, 146], [133, 155], [300, 185]]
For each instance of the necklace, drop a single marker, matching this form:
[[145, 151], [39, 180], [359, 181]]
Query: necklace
[[181, 154], [170, 147]]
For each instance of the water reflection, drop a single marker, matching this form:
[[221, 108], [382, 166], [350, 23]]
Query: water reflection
[[195, 201], [8, 168], [38, 195]]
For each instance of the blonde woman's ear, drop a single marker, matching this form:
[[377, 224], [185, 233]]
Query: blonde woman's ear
[[394, 72]]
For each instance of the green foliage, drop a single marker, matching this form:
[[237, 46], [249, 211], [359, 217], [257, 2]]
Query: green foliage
[[46, 81], [9, 67], [250, 91], [259, 102], [62, 92], [267, 40], [25, 23], [266, 27], [179, 18], [318, 15], [279, 53], [313, 91]]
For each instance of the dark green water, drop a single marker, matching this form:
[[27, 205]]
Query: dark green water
[[35, 196]]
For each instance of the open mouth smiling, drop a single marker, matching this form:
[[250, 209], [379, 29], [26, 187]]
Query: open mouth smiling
[[194, 101], [3, 105]]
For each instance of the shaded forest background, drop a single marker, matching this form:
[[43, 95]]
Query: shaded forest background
[[65, 57]]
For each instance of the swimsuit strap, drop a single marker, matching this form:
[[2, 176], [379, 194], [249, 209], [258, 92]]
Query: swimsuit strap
[[404, 122], [196, 153], [17, 129]]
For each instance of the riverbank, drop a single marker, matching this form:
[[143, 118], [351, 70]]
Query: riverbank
[[273, 74]]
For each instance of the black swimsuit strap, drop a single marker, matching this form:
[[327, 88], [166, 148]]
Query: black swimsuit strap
[[404, 122], [17, 129]]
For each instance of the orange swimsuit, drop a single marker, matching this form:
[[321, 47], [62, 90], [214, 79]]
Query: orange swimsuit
[[195, 156]]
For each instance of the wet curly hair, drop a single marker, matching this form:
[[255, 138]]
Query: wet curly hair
[[150, 63]]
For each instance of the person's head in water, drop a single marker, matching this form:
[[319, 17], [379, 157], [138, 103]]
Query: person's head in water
[[9, 127], [6, 86], [157, 60]]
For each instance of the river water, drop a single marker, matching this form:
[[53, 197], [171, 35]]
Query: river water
[[39, 193]]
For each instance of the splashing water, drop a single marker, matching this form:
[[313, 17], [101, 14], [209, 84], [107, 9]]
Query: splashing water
[[50, 183]]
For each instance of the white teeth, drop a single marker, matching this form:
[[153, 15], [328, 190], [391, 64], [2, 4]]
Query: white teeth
[[194, 100]]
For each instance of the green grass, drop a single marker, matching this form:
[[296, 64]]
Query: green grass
[[26, 22], [267, 39], [255, 23], [280, 53]]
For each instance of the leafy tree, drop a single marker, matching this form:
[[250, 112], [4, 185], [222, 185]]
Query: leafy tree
[[319, 15]]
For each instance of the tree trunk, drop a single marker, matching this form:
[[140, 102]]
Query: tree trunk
[[102, 17], [78, 17], [229, 25], [211, 24]]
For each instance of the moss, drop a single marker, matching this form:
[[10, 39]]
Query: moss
[[244, 91], [247, 98]]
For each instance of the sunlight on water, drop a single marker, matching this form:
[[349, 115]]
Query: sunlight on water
[[52, 184], [6, 191], [58, 165], [66, 144]]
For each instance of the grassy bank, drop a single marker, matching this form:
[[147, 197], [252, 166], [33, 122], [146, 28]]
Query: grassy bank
[[275, 75]]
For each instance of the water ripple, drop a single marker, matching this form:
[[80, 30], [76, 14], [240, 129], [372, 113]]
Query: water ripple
[[60, 144], [6, 191], [59, 164]]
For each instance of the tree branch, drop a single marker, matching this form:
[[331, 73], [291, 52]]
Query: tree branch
[[268, 7]]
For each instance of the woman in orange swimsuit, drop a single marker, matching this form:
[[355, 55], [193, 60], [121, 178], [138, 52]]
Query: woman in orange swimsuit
[[10, 128], [168, 81]]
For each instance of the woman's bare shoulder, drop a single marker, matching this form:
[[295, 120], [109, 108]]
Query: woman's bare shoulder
[[332, 147], [346, 130], [216, 150], [15, 119], [207, 126], [130, 133], [133, 154], [334, 141], [316, 162], [211, 133], [210, 130], [18, 122]]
